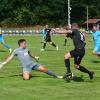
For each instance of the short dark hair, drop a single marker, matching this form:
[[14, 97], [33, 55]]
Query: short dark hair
[[46, 24], [21, 41], [74, 25]]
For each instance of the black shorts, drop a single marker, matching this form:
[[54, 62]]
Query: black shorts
[[48, 39], [78, 54]]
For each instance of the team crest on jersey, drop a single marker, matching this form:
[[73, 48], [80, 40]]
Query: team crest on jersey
[[26, 53]]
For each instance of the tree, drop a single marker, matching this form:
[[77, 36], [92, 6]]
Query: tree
[[26, 12]]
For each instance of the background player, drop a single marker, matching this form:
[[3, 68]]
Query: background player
[[28, 65], [67, 35], [96, 39], [3, 42], [78, 53], [46, 37]]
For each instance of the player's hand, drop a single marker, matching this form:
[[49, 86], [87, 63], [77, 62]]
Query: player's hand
[[37, 58], [53, 29], [2, 64]]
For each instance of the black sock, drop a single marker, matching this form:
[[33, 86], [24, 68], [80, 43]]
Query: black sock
[[67, 64], [65, 41], [53, 45], [83, 69], [44, 45]]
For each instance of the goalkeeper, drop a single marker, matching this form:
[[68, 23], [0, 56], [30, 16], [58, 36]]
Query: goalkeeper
[[28, 65]]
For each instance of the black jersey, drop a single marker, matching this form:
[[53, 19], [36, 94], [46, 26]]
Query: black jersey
[[47, 32], [78, 39]]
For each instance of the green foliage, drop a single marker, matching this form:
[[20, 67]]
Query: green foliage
[[31, 12], [22, 16]]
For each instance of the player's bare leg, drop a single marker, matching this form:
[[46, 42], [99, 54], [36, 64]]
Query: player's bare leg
[[95, 53]]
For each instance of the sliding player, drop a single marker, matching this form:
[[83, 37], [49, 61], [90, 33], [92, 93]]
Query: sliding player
[[28, 65]]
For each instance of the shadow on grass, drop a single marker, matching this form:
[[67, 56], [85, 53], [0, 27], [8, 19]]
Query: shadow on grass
[[67, 45], [78, 79], [2, 51], [17, 75], [50, 50], [95, 61], [21, 75]]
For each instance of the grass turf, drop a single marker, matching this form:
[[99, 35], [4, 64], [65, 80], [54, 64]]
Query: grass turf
[[41, 86]]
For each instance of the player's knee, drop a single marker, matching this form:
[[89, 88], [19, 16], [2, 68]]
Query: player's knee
[[76, 66], [67, 56], [26, 78], [94, 53], [42, 69]]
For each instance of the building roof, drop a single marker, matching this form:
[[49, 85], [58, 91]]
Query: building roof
[[92, 21]]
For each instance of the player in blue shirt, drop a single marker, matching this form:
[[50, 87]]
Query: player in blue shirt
[[43, 35], [96, 38], [3, 42]]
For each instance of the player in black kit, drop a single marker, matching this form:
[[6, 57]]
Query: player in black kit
[[78, 53], [47, 37]]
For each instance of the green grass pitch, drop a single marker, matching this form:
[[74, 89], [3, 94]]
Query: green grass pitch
[[41, 86]]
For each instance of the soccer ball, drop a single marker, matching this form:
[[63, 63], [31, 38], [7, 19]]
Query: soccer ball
[[71, 77]]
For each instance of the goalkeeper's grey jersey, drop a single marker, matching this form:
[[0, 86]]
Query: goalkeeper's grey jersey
[[24, 57]]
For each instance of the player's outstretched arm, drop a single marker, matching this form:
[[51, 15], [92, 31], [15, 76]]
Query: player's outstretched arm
[[34, 57], [63, 31], [7, 61]]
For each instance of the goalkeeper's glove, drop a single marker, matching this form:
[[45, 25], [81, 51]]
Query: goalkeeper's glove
[[2, 64], [36, 58]]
